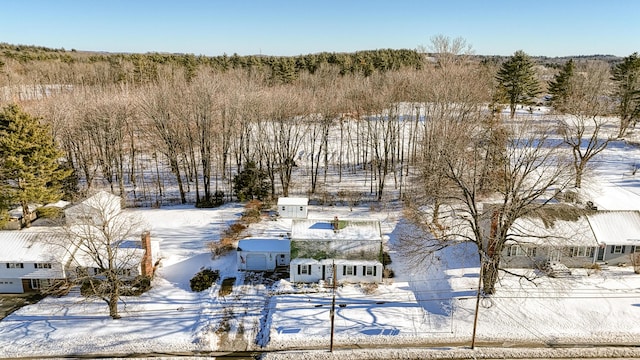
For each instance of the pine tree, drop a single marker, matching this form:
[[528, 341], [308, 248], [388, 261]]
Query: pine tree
[[251, 183], [560, 87], [30, 169], [627, 77], [517, 81]]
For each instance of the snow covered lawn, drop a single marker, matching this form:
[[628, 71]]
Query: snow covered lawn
[[420, 305]]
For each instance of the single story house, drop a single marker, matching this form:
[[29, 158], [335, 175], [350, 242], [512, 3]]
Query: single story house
[[293, 207], [533, 242], [618, 235], [605, 237], [353, 245], [336, 239], [351, 271], [30, 260], [256, 254]]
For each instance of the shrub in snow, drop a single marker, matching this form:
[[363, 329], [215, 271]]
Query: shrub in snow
[[204, 279]]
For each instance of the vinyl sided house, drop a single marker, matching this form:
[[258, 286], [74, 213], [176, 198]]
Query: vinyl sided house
[[533, 242], [618, 235], [293, 207], [354, 246], [258, 254], [604, 237], [34, 258], [30, 260]]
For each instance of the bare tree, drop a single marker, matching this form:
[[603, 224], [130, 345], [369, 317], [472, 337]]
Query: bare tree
[[587, 103], [531, 169], [96, 234], [158, 106]]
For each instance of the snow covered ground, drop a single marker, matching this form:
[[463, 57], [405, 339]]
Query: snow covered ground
[[421, 305]]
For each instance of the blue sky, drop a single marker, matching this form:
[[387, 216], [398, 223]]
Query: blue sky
[[288, 27]]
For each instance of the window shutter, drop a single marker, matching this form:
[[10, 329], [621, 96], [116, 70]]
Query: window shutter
[[309, 269], [612, 247], [344, 269], [623, 248], [364, 271], [375, 267], [299, 269]]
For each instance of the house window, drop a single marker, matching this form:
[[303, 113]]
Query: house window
[[39, 283], [124, 272], [348, 270], [368, 270], [517, 250], [15, 266], [42, 265], [617, 249], [304, 269], [636, 249], [581, 251]]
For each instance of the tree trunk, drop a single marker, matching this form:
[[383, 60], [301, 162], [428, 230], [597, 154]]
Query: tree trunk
[[490, 274], [113, 300]]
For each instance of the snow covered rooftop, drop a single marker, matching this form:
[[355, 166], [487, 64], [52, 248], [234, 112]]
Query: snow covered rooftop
[[258, 244], [616, 227], [31, 245], [296, 201], [534, 230], [349, 229]]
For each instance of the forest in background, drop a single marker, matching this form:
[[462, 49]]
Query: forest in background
[[176, 128]]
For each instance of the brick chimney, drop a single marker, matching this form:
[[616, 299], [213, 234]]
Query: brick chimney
[[147, 259]]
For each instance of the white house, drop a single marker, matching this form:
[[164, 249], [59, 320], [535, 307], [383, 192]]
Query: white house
[[91, 210], [255, 254], [352, 271], [34, 258], [31, 259], [354, 245], [293, 207]]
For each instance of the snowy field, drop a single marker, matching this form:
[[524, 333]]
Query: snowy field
[[421, 305]]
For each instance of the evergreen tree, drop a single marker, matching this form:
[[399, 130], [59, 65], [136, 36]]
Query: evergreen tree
[[560, 87], [517, 83], [251, 183], [30, 169], [627, 77]]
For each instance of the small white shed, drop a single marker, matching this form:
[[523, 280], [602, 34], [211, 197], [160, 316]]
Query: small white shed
[[293, 207], [255, 254]]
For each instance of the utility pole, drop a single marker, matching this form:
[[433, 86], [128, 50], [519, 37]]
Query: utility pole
[[333, 306], [475, 317]]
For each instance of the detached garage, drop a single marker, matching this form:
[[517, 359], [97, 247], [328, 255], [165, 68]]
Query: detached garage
[[292, 207], [255, 254]]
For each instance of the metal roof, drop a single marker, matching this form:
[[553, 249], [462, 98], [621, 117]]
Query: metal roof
[[616, 227], [32, 245]]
